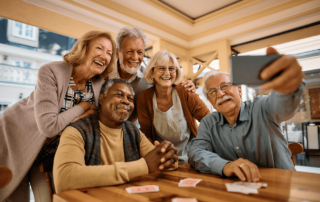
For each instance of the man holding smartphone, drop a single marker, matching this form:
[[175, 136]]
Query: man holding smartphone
[[241, 136]]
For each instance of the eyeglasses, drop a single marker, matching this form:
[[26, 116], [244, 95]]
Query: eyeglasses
[[162, 69], [224, 88]]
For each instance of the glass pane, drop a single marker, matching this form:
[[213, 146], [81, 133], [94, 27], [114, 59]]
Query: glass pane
[[26, 65], [15, 63], [17, 29], [29, 31]]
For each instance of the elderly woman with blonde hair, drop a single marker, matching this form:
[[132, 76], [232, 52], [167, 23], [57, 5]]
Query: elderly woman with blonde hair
[[65, 91], [167, 111]]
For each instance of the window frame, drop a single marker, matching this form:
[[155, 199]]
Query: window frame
[[23, 31]]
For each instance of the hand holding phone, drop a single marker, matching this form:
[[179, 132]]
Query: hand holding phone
[[247, 69], [281, 73]]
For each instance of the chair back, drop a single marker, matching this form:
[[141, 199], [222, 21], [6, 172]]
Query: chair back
[[295, 148]]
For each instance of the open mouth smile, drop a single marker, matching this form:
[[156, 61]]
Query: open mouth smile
[[224, 101], [166, 79], [123, 108], [133, 63], [98, 62]]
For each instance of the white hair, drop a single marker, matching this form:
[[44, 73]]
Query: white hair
[[109, 82], [130, 32], [162, 58], [206, 78]]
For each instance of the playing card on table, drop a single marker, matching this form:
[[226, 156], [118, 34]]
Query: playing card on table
[[184, 200], [189, 182], [241, 189], [255, 185], [142, 189]]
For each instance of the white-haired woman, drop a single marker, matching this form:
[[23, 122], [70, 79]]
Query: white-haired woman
[[167, 111], [65, 91]]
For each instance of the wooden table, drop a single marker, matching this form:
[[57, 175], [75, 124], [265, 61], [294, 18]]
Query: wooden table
[[283, 185]]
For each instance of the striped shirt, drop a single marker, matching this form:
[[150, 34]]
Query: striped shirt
[[73, 97]]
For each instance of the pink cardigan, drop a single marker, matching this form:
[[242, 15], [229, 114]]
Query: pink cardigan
[[25, 126]]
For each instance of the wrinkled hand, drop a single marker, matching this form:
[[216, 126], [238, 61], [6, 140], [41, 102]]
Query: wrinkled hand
[[87, 106], [289, 80], [189, 84], [243, 169], [163, 156], [165, 149], [87, 113]]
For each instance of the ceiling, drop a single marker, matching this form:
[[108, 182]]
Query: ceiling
[[195, 9], [192, 23]]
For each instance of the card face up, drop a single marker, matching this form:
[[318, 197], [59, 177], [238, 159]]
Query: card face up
[[245, 187], [246, 69]]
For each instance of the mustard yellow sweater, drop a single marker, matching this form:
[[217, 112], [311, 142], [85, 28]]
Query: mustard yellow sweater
[[70, 171]]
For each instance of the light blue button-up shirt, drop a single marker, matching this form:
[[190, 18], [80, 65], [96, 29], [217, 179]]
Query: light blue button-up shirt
[[255, 136]]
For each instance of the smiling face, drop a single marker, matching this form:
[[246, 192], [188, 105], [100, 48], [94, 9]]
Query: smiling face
[[224, 102], [165, 79], [117, 105], [131, 54], [98, 55]]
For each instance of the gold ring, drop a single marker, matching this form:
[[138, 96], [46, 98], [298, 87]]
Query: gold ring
[[241, 165]]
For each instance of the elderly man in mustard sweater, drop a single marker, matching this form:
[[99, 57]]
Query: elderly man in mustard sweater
[[105, 149]]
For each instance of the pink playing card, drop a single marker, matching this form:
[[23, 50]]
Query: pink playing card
[[184, 200], [142, 189], [240, 188], [189, 182]]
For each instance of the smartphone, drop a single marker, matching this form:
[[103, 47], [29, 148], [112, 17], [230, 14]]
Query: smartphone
[[246, 69]]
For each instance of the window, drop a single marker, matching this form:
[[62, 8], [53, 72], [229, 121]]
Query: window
[[3, 107], [20, 63], [16, 63], [23, 31], [26, 65]]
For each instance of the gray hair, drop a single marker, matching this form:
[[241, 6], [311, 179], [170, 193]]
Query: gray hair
[[206, 78], [162, 57], [109, 82], [130, 32]]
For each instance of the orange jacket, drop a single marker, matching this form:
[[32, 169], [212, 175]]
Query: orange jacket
[[193, 108]]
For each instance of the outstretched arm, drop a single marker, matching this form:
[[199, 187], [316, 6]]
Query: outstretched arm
[[287, 88]]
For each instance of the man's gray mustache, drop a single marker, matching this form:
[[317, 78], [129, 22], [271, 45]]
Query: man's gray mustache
[[224, 98]]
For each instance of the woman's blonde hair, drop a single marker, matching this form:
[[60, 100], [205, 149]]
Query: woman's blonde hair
[[78, 51], [161, 58]]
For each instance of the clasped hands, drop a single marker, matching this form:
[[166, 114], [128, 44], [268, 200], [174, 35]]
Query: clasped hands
[[162, 157]]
